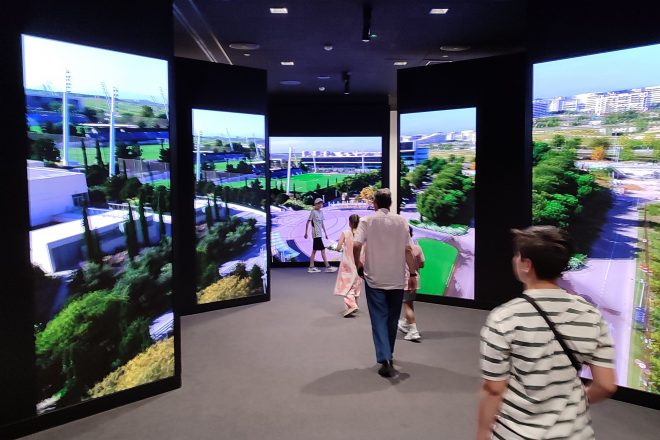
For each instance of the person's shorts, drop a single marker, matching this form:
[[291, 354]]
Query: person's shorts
[[318, 244], [409, 295]]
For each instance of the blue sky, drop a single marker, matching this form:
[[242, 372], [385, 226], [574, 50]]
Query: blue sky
[[216, 123], [136, 77], [609, 71], [356, 143], [438, 121]]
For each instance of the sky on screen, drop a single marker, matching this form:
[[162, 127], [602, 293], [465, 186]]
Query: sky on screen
[[216, 123], [438, 121], [135, 77], [353, 143]]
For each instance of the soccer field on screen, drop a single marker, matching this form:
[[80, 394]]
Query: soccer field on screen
[[440, 260], [303, 182]]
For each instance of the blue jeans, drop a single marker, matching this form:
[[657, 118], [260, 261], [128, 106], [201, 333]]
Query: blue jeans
[[384, 310]]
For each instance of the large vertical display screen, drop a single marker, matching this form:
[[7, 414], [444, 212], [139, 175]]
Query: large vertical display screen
[[437, 153], [596, 137], [100, 223], [229, 151], [343, 172]]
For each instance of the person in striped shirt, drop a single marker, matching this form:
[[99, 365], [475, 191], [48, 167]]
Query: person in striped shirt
[[530, 389]]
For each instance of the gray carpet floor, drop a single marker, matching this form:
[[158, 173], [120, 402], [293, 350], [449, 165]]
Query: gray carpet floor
[[293, 368]]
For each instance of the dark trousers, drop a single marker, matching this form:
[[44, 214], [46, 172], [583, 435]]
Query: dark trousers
[[384, 310]]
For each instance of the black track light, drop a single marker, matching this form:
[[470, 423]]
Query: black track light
[[366, 23], [346, 77]]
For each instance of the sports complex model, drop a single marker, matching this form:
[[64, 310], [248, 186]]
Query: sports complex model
[[437, 152], [343, 171], [230, 204], [596, 140], [99, 199]]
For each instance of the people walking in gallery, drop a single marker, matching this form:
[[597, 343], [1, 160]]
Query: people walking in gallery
[[532, 349], [388, 250], [348, 282], [318, 230], [408, 324]]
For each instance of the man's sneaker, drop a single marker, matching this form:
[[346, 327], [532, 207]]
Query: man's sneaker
[[331, 269], [313, 270], [413, 335], [404, 326], [350, 311]]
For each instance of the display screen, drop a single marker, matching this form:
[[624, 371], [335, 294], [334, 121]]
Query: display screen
[[98, 168], [343, 172], [596, 138], [229, 151], [437, 153]]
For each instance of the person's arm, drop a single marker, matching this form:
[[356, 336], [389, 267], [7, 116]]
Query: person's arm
[[324, 231], [492, 393], [359, 238], [603, 385], [357, 248], [410, 261], [309, 220], [421, 257], [340, 243]]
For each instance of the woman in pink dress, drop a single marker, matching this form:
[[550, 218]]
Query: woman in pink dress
[[348, 282]]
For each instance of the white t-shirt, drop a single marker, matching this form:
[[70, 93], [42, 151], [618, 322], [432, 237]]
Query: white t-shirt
[[316, 217], [386, 237]]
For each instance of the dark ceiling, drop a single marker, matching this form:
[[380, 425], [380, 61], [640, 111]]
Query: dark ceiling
[[404, 29]]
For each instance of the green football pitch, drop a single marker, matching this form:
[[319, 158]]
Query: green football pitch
[[149, 152], [440, 260], [303, 182]]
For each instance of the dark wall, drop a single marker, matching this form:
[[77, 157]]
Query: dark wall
[[210, 86], [332, 115], [143, 28], [568, 28], [500, 90]]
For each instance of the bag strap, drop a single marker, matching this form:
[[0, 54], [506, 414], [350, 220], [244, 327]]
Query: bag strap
[[558, 337]]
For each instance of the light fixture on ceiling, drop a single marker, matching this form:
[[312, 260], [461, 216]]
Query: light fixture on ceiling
[[247, 54], [432, 62], [287, 63], [244, 46], [346, 77], [323, 77], [366, 23], [400, 63], [438, 11], [279, 11], [327, 47], [290, 82], [445, 56], [321, 89], [456, 48]]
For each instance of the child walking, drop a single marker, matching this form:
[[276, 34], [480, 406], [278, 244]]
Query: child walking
[[348, 282], [318, 228], [408, 324]]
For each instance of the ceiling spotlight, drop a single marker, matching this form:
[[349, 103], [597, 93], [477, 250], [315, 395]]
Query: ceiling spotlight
[[287, 63], [400, 63], [247, 54], [244, 46], [279, 11], [346, 77], [445, 56], [321, 89], [438, 11], [454, 48], [327, 47], [366, 23], [290, 82], [323, 77]]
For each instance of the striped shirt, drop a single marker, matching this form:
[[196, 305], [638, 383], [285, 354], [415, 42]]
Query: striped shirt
[[545, 398]]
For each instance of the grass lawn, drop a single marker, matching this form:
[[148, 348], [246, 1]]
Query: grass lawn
[[149, 152], [304, 182], [440, 259], [161, 182]]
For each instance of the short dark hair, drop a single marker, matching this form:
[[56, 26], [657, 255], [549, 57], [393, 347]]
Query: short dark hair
[[549, 249], [383, 198]]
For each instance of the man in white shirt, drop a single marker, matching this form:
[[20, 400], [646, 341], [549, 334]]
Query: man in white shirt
[[387, 252]]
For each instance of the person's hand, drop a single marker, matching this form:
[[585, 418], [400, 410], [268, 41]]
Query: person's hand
[[305, 235], [326, 237], [360, 271]]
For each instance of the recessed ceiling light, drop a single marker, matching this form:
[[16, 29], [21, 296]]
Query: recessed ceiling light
[[287, 63], [247, 54], [290, 82], [454, 48], [279, 11], [445, 56], [244, 46], [438, 11], [321, 89], [400, 63], [323, 77], [431, 62]]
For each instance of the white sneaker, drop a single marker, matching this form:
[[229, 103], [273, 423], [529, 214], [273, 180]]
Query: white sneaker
[[331, 269], [313, 270], [404, 326], [413, 335]]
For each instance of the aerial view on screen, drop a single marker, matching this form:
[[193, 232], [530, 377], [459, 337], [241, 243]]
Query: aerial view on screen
[[437, 153], [98, 168], [596, 138], [343, 172], [230, 204]]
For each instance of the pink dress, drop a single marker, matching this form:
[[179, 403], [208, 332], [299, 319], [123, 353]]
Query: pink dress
[[348, 282]]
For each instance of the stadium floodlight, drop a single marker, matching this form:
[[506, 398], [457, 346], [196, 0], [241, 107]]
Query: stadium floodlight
[[198, 156], [111, 128], [65, 118]]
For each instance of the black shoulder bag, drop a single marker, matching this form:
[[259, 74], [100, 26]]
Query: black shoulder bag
[[558, 337]]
